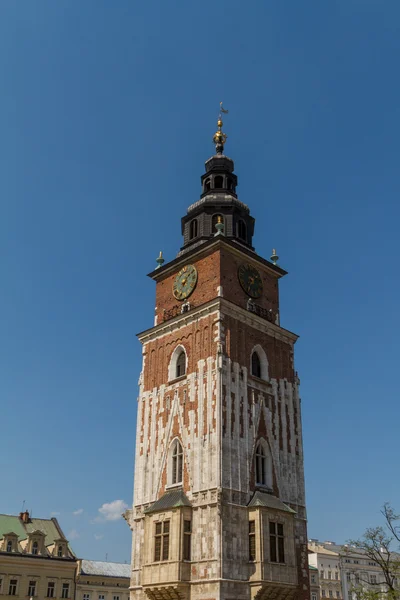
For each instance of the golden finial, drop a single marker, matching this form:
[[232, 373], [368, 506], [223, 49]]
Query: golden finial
[[219, 136]]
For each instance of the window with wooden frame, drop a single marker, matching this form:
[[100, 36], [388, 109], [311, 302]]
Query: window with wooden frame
[[32, 589], [276, 542], [187, 540], [50, 589], [12, 588], [252, 540], [161, 541]]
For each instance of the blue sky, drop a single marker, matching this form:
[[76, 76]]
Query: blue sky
[[107, 112]]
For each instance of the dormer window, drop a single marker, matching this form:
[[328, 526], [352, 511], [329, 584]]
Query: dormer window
[[60, 551], [35, 548], [9, 546]]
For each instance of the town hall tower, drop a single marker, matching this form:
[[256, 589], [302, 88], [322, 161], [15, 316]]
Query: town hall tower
[[219, 504]]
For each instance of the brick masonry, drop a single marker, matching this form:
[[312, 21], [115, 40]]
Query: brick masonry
[[218, 411]]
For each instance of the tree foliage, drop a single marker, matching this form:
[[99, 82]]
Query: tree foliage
[[381, 545]]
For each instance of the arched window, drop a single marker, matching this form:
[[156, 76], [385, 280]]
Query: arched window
[[193, 229], [216, 219], [218, 182], [242, 233], [60, 551], [177, 364], [229, 185], [207, 185], [259, 363], [35, 548], [181, 365], [255, 365], [263, 465], [9, 546], [177, 463]]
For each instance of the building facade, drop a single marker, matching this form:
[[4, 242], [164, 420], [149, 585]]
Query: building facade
[[328, 564], [35, 558], [219, 503], [99, 580], [357, 571], [314, 583]]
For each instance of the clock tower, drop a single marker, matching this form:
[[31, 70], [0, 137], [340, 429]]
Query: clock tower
[[219, 504]]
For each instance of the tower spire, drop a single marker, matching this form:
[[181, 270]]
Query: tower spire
[[220, 137]]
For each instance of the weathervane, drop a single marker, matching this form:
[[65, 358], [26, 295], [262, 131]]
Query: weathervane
[[220, 137]]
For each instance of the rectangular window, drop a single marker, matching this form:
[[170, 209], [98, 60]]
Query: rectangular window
[[161, 541], [313, 596], [373, 578], [329, 574], [65, 590], [348, 577], [323, 593], [313, 578], [276, 542], [86, 596], [187, 540], [336, 575], [337, 594], [357, 579], [321, 574], [330, 594], [32, 588], [101, 596], [50, 589], [12, 588], [252, 540], [115, 597]]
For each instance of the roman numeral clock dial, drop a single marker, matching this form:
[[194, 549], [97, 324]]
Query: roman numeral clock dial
[[185, 282], [250, 280]]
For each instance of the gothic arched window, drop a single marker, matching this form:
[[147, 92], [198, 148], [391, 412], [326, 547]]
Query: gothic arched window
[[177, 463], [255, 365], [35, 548], [193, 229], [207, 185], [242, 232], [218, 182], [181, 365], [9, 546], [263, 465]]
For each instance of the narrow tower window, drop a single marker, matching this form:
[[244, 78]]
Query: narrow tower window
[[218, 182], [193, 229], [187, 537], [181, 365], [260, 465], [255, 365], [177, 463], [207, 185], [242, 233], [252, 540]]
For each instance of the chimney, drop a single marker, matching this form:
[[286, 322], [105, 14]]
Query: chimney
[[24, 516]]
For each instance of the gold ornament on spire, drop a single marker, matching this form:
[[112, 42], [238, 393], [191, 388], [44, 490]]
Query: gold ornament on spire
[[220, 137]]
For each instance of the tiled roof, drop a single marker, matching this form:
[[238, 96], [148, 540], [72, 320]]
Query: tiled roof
[[171, 499], [269, 501], [107, 569], [13, 523], [50, 528]]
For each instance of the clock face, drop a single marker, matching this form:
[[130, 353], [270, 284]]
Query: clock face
[[250, 280], [185, 282]]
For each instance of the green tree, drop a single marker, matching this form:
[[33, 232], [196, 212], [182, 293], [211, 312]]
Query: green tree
[[381, 545]]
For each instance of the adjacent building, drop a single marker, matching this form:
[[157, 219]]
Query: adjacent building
[[35, 558], [327, 562], [219, 502], [314, 583], [98, 580]]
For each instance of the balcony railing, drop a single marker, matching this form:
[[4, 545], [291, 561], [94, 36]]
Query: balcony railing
[[263, 312], [178, 309]]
